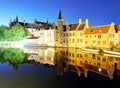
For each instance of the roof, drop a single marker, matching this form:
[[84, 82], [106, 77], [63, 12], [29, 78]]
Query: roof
[[117, 28], [73, 26], [38, 22], [60, 15], [31, 25], [23, 24], [81, 27], [94, 69], [97, 29]]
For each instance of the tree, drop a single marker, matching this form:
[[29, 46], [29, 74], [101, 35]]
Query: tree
[[16, 32], [3, 30]]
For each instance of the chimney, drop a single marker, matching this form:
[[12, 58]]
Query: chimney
[[113, 23], [86, 22], [80, 21]]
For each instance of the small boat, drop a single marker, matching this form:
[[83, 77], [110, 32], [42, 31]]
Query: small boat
[[90, 50], [112, 52]]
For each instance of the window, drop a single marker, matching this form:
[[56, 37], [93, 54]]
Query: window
[[72, 54], [66, 52], [81, 40], [73, 61], [80, 56], [77, 55], [100, 30], [98, 64], [86, 55], [98, 58], [86, 36], [69, 54], [86, 61], [80, 62], [93, 41], [63, 40], [69, 40], [93, 56], [111, 42], [73, 34], [91, 30], [86, 42], [77, 40], [104, 59], [104, 42], [81, 34], [73, 40], [98, 42], [99, 36]]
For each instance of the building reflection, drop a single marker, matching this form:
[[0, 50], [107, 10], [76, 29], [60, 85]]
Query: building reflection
[[76, 60], [42, 55]]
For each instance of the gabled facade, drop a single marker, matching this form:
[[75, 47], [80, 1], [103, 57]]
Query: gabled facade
[[100, 37], [75, 34], [70, 35]]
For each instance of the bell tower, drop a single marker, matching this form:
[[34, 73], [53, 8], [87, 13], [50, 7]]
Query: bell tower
[[60, 20], [17, 19], [60, 29]]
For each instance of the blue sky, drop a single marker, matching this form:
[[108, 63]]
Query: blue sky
[[99, 12]]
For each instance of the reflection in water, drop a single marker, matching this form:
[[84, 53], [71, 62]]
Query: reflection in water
[[37, 67], [13, 55], [64, 59], [75, 60]]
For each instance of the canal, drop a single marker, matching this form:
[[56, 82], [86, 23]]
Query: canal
[[42, 67]]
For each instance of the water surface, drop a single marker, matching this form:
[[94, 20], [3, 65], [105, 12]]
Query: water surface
[[36, 67]]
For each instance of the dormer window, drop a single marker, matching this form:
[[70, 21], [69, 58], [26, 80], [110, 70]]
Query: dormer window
[[100, 30], [91, 30]]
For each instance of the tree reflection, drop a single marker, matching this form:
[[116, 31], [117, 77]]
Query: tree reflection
[[15, 56]]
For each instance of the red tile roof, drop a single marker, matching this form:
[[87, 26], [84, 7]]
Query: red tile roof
[[97, 29]]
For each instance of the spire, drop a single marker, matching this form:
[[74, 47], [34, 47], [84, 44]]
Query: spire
[[35, 20], [24, 22], [47, 21], [60, 15], [16, 18], [10, 19]]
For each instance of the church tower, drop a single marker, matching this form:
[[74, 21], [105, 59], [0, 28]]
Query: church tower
[[17, 19], [60, 29], [60, 20]]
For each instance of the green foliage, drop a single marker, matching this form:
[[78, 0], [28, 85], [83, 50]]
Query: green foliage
[[16, 32], [3, 30], [14, 55]]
